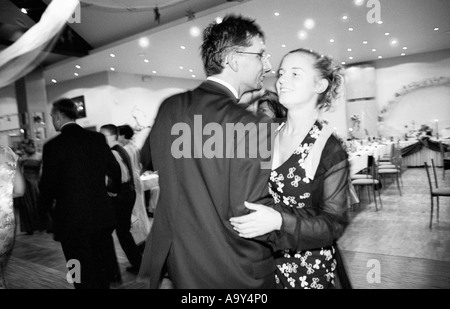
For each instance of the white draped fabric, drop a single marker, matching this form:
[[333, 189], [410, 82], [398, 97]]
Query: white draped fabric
[[26, 53]]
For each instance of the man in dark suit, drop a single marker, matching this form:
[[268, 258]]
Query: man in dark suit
[[75, 166], [124, 201], [203, 186]]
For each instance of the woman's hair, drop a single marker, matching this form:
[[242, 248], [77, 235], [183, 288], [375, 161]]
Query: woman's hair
[[272, 102], [328, 70], [219, 38]]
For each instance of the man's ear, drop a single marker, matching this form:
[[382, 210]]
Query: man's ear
[[231, 61], [321, 85]]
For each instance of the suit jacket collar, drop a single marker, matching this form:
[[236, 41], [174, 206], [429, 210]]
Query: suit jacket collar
[[219, 88], [70, 127]]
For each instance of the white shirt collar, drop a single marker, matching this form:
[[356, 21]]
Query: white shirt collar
[[224, 83]]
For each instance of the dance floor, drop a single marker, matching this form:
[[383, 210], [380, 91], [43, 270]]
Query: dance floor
[[389, 249]]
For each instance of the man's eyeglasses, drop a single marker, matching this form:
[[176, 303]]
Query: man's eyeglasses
[[262, 56]]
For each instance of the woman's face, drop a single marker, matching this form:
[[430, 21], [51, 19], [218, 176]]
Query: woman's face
[[297, 82], [264, 108]]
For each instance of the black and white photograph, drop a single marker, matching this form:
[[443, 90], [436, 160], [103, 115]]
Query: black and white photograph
[[211, 145]]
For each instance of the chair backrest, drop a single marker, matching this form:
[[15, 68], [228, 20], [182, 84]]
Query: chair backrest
[[442, 148], [434, 173], [429, 178]]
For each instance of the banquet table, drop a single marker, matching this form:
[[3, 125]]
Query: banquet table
[[416, 152], [150, 182], [358, 158]]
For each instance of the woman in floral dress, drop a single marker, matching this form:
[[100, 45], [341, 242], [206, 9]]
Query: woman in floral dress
[[309, 180], [12, 184]]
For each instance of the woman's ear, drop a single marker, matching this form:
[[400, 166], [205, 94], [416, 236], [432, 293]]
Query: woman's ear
[[321, 85]]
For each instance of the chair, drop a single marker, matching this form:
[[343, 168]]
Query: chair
[[387, 157], [435, 191], [372, 182], [445, 159], [394, 169], [364, 174]]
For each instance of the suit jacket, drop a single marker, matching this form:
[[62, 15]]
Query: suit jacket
[[191, 228], [75, 166]]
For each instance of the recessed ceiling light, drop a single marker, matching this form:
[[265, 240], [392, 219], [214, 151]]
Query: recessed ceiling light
[[112, 69], [351, 58], [309, 23], [343, 62], [380, 57], [183, 47], [350, 29], [380, 22], [190, 70], [302, 35], [78, 67], [364, 42], [345, 17], [112, 55], [273, 72], [283, 45], [276, 14], [358, 2], [219, 20], [195, 31], [374, 50], [349, 49], [331, 40], [193, 75], [405, 48], [54, 81], [436, 29], [181, 67], [386, 33], [154, 72], [402, 54], [76, 74], [144, 42], [394, 42], [23, 11], [146, 60]]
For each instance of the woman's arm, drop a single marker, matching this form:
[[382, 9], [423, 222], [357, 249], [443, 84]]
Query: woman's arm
[[19, 183], [301, 233]]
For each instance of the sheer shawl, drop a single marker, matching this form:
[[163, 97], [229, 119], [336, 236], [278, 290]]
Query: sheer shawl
[[27, 52]]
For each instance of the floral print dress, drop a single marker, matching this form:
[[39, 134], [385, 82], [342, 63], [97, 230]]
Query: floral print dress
[[293, 190], [8, 163]]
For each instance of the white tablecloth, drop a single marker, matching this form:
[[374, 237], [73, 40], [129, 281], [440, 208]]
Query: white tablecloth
[[424, 155], [358, 159]]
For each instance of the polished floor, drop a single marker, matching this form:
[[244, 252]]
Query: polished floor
[[392, 248]]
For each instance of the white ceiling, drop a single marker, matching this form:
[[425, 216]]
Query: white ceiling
[[410, 22]]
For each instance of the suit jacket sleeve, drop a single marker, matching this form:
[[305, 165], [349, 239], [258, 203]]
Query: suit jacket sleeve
[[112, 170], [49, 177], [249, 175]]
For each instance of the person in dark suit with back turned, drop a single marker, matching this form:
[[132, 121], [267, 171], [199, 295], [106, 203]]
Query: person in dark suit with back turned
[[124, 201], [75, 166], [191, 236]]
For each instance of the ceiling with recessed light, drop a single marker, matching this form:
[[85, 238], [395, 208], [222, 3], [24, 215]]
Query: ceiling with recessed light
[[351, 31]]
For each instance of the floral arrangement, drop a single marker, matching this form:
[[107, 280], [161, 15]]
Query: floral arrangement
[[356, 121]]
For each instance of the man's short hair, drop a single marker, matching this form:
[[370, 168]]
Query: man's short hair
[[111, 129], [66, 107], [220, 38], [126, 131]]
